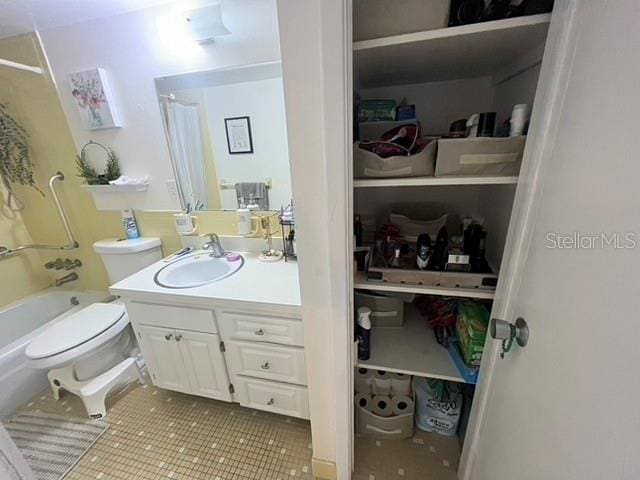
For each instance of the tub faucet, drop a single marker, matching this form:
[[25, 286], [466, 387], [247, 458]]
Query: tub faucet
[[70, 277], [214, 246]]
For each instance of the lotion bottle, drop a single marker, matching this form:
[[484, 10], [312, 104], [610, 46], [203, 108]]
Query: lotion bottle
[[244, 219], [364, 333]]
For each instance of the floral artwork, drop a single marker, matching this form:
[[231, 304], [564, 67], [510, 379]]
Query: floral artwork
[[93, 99]]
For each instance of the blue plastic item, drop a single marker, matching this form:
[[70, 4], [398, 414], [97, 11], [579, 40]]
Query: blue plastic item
[[470, 374]]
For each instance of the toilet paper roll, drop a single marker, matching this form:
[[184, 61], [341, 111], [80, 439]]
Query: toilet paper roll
[[364, 380], [381, 383], [401, 404], [364, 400], [400, 384], [382, 406]]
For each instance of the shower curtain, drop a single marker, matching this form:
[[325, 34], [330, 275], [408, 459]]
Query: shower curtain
[[12, 464], [183, 128]]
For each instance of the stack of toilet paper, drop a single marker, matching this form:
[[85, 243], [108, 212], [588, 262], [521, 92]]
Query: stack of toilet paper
[[383, 393]]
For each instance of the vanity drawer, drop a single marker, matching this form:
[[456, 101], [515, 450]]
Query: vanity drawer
[[194, 319], [273, 397], [261, 328], [273, 362]]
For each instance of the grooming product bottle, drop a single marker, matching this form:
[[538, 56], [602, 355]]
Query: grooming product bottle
[[364, 333], [519, 117], [244, 219], [129, 223], [357, 231], [486, 124], [424, 251]]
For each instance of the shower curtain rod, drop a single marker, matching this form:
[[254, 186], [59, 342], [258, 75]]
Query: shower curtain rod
[[20, 66]]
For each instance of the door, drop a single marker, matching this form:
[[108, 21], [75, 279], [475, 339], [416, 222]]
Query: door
[[566, 405], [204, 364], [162, 355]]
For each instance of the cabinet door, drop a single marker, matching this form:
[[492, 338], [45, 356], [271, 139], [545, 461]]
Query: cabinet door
[[163, 358], [205, 365]]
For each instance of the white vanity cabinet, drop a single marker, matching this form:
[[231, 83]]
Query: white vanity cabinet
[[266, 360], [251, 355]]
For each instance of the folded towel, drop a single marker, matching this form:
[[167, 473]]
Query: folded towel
[[124, 180], [253, 190]]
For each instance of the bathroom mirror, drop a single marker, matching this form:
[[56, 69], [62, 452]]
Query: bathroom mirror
[[227, 137]]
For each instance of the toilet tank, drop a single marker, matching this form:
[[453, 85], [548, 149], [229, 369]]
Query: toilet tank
[[123, 258]]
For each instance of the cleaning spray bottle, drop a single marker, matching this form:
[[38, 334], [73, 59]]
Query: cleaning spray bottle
[[364, 333]]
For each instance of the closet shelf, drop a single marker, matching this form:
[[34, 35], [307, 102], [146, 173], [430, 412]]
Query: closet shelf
[[360, 281], [432, 181], [467, 51], [411, 349]]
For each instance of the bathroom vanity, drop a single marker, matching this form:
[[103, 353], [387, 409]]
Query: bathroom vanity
[[237, 339]]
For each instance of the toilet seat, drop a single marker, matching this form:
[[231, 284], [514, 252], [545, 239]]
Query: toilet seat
[[78, 334]]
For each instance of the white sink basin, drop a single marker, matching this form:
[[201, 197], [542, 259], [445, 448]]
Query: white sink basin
[[196, 270]]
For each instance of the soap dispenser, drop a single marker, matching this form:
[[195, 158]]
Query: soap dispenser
[[244, 219]]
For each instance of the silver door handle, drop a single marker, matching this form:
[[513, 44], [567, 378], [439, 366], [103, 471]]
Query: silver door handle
[[508, 332], [178, 337], [265, 366], [168, 336], [271, 401], [259, 332]]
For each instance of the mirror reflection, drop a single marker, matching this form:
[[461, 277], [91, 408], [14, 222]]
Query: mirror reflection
[[227, 136]]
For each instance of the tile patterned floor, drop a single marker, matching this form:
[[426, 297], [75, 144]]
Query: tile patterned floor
[[426, 456], [157, 434]]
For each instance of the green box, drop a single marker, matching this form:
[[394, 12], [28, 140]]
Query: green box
[[471, 327]]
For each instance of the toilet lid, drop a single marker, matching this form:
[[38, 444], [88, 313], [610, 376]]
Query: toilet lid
[[75, 329]]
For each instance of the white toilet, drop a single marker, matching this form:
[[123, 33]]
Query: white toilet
[[93, 350]]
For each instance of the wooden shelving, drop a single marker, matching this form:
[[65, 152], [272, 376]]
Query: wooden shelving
[[467, 51], [411, 349], [360, 281], [432, 181]]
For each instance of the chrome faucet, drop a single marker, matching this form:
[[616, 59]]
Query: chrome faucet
[[70, 277], [214, 246]]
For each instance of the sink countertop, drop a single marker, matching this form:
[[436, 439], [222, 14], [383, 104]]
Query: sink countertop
[[256, 282]]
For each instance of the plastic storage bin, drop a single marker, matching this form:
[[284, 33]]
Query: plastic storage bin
[[479, 156], [368, 423], [383, 18], [386, 311], [369, 165]]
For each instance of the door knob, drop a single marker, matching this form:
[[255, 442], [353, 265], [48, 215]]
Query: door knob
[[271, 401], [508, 332], [168, 336], [265, 366], [178, 337], [259, 332]]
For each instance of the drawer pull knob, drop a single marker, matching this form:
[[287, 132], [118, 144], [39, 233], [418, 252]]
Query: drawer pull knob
[[265, 366], [168, 336], [178, 337], [259, 332], [271, 401]]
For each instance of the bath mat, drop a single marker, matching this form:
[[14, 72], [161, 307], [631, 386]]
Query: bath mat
[[53, 444]]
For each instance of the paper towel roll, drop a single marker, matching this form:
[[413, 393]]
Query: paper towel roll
[[401, 404], [364, 380], [364, 400], [400, 384], [382, 406], [381, 383]]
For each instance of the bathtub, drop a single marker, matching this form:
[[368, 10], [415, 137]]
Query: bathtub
[[22, 321]]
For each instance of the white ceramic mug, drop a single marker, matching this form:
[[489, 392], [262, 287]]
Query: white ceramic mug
[[185, 223]]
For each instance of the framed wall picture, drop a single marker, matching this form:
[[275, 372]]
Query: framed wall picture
[[91, 92], [239, 135]]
